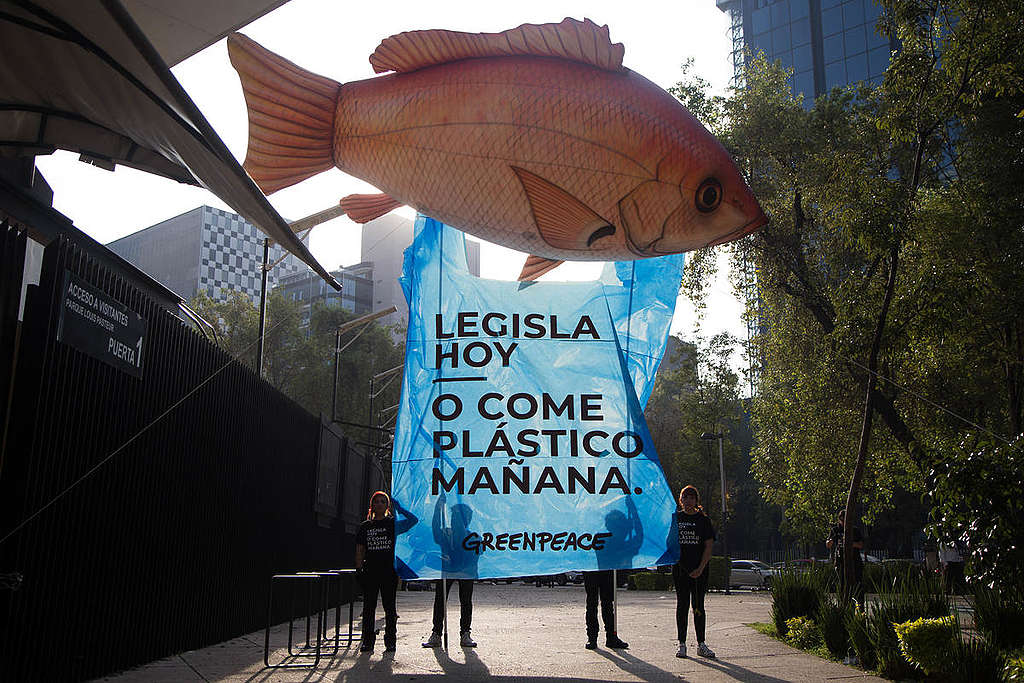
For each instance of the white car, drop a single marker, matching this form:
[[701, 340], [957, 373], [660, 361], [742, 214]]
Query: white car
[[751, 573]]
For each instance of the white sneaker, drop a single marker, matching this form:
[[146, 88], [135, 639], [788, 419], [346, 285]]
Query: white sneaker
[[681, 653], [465, 640], [433, 641], [704, 651]]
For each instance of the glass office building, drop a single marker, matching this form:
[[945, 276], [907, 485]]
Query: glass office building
[[827, 43]]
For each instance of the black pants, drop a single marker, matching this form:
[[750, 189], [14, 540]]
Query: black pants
[[385, 582], [690, 590], [600, 586], [465, 603]]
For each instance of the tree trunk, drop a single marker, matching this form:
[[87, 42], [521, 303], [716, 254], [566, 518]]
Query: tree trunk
[[865, 432]]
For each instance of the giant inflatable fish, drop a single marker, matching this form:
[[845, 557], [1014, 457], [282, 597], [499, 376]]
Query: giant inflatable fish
[[536, 138]]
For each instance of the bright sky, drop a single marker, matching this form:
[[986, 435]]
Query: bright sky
[[335, 39]]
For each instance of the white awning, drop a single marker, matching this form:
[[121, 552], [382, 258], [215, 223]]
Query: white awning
[[85, 76]]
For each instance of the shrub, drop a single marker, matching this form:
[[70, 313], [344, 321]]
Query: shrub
[[857, 628], [890, 660], [976, 661], [926, 643], [803, 633], [1014, 670], [650, 581], [796, 593], [831, 619], [910, 599], [988, 520], [718, 572], [999, 615]]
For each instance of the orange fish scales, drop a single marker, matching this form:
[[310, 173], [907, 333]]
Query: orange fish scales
[[535, 138]]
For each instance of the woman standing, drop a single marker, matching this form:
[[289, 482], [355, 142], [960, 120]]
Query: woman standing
[[375, 567], [690, 574]]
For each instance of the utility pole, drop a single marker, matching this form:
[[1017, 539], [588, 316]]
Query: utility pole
[[708, 437]]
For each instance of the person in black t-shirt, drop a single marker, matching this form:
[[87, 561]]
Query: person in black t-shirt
[[835, 544], [690, 574], [375, 567]]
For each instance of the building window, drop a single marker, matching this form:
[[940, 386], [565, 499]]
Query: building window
[[853, 13], [854, 41], [780, 13], [832, 48], [801, 30], [878, 61], [835, 74], [760, 20], [804, 83], [831, 21], [857, 68], [803, 59], [780, 40]]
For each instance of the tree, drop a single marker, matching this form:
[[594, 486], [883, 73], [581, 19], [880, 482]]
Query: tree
[[300, 361], [873, 195], [697, 391]]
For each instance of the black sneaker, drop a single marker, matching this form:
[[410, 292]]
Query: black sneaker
[[591, 644], [616, 643], [389, 648], [367, 647]]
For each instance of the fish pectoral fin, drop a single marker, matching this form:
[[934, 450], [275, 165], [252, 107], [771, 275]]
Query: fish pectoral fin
[[363, 208], [562, 220], [536, 266]]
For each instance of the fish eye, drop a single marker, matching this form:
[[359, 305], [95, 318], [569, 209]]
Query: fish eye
[[709, 195]]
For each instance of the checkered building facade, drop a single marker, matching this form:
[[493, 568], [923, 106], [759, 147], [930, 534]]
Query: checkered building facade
[[206, 250], [231, 254]]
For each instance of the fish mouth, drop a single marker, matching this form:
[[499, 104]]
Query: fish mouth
[[747, 228]]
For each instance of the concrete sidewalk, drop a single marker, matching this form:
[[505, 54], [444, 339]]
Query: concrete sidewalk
[[528, 634]]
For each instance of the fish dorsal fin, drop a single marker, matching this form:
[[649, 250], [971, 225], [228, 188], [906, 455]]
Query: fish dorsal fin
[[363, 208], [536, 266], [578, 41], [562, 220]]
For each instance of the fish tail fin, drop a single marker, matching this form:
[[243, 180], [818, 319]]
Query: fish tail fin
[[291, 116]]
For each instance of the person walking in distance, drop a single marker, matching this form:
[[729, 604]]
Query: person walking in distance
[[690, 574]]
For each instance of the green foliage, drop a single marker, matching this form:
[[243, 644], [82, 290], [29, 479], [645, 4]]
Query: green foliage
[[300, 361], [860, 640], [926, 643], [930, 167], [796, 593], [650, 581], [698, 391], [1014, 670], [976, 500], [907, 601], [975, 660], [999, 615], [718, 572], [803, 633], [831, 618]]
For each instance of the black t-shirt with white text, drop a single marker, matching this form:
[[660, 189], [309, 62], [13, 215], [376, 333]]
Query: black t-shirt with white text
[[378, 536], [693, 530]]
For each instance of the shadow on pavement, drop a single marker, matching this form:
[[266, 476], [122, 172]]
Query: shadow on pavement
[[738, 672], [636, 666], [474, 668]]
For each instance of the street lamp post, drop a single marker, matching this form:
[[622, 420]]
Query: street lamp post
[[302, 225], [708, 437]]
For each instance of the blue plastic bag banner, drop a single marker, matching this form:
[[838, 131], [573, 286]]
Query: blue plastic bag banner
[[521, 446]]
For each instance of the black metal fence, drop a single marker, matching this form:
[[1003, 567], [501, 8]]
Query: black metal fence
[[146, 515]]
